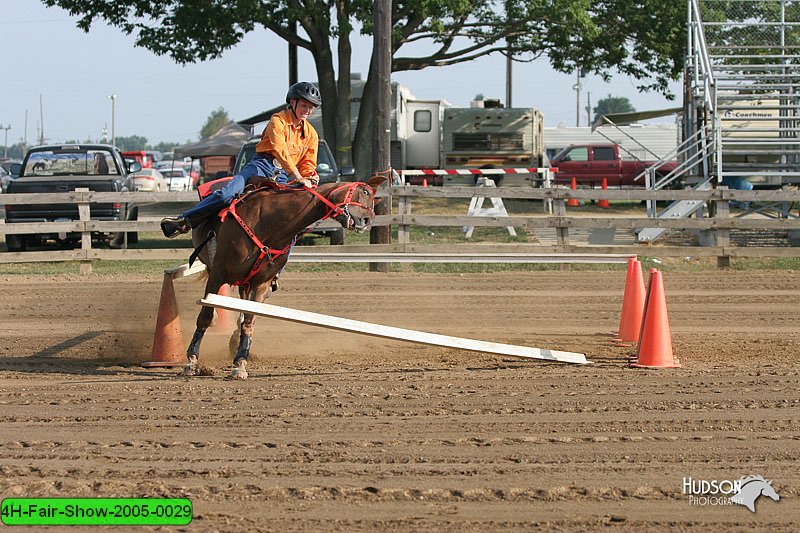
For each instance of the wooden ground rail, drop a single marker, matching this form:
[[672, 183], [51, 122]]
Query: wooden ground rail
[[388, 332]]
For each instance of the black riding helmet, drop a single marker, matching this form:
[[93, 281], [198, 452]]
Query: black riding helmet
[[305, 90]]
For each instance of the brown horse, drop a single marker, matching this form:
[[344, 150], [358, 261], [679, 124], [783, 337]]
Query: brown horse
[[250, 246]]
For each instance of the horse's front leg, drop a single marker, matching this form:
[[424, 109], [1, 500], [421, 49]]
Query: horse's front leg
[[246, 332], [204, 319]]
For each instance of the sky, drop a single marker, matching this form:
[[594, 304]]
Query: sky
[[47, 59]]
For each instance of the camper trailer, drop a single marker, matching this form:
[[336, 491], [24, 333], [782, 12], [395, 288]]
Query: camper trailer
[[433, 134]]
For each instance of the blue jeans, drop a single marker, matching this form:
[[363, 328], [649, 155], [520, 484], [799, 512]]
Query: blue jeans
[[740, 184], [260, 165]]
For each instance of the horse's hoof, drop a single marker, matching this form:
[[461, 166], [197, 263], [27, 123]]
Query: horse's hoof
[[191, 368], [239, 370]]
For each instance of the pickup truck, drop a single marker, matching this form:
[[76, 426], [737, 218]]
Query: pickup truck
[[64, 168], [590, 163]]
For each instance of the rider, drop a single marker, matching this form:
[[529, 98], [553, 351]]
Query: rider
[[286, 153]]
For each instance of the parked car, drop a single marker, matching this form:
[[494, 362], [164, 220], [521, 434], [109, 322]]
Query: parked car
[[149, 180], [177, 178], [5, 179]]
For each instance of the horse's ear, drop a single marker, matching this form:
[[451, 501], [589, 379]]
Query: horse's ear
[[376, 181]]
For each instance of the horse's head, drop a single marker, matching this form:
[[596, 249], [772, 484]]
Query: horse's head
[[356, 203]]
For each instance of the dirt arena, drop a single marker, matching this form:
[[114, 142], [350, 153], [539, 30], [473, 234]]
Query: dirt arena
[[340, 432]]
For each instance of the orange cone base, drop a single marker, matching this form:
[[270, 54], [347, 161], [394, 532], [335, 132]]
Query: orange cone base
[[637, 365], [168, 348]]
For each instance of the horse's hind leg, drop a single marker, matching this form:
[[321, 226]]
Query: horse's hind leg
[[204, 319], [246, 332]]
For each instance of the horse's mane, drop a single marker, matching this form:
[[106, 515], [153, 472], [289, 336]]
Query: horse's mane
[[749, 479]]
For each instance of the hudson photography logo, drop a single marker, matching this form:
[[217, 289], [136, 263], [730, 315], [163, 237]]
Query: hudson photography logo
[[743, 491]]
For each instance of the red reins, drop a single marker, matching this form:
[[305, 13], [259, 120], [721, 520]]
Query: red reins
[[334, 210]]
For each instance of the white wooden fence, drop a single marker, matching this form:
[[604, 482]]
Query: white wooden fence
[[716, 228]]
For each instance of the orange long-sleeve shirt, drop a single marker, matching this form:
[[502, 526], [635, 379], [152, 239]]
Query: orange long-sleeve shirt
[[294, 147]]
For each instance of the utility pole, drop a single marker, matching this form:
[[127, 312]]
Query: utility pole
[[25, 134], [588, 108], [381, 128], [509, 63], [293, 55], [113, 98], [5, 149], [577, 88], [41, 120]]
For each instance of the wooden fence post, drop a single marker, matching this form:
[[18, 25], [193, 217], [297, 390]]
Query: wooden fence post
[[404, 208], [84, 215], [722, 237], [562, 231]]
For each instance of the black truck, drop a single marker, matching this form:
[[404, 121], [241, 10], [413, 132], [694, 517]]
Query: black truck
[[64, 168]]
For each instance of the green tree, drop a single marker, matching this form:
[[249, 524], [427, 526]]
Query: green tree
[[641, 38], [216, 120], [612, 104], [165, 147], [16, 151], [131, 142]]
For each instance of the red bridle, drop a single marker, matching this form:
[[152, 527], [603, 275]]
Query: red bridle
[[334, 210]]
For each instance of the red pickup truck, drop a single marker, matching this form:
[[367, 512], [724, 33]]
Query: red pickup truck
[[590, 163]]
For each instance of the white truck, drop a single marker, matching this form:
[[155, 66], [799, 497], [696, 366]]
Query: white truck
[[433, 135]]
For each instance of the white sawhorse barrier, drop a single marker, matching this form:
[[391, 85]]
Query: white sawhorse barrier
[[476, 208], [388, 332]]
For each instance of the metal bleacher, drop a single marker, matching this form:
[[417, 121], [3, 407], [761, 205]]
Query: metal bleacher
[[743, 117]]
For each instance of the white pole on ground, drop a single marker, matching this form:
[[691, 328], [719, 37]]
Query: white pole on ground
[[388, 332]]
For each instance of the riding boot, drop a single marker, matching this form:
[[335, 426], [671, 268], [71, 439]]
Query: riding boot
[[274, 285], [174, 226]]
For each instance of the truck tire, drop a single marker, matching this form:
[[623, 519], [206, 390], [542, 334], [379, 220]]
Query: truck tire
[[337, 236], [16, 243], [133, 214]]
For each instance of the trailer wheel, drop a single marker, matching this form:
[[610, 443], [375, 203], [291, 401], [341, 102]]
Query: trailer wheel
[[496, 178], [337, 236], [133, 214]]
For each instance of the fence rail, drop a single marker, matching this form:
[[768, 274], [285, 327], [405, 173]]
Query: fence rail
[[716, 228]]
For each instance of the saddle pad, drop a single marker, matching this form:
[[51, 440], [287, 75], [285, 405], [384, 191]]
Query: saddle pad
[[208, 187]]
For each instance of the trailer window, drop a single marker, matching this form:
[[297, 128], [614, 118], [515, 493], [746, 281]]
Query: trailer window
[[422, 120], [481, 142]]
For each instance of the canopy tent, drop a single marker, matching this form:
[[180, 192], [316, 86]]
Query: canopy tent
[[621, 119], [227, 141]]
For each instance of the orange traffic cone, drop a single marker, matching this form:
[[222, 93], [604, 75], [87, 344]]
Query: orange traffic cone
[[655, 340], [168, 338], [633, 300], [225, 322], [604, 201], [573, 202], [424, 182]]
